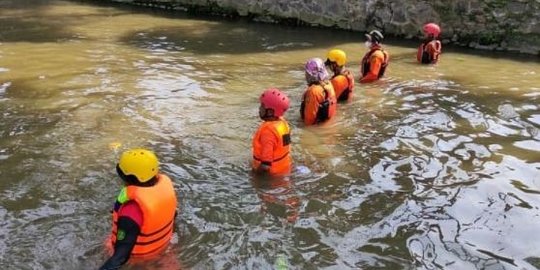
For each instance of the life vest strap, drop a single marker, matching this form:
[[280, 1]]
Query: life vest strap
[[158, 231], [148, 242], [149, 234], [155, 240], [149, 252], [275, 160]]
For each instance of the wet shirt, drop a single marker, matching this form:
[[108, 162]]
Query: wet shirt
[[429, 52], [377, 62], [314, 96], [271, 146], [343, 85], [131, 210]]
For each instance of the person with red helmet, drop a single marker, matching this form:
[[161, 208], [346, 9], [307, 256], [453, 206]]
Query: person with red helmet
[[430, 50], [271, 142]]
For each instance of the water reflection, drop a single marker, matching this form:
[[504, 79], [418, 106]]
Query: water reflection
[[208, 37], [275, 193]]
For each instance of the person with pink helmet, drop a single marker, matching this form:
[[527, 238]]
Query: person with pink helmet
[[271, 143], [430, 50], [319, 101]]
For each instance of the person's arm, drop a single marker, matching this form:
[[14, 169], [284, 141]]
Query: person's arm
[[375, 64], [268, 143], [128, 228], [350, 78], [341, 85], [434, 49], [420, 52], [312, 107]]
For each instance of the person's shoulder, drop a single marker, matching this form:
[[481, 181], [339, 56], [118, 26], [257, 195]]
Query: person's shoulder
[[379, 53], [326, 84], [129, 207], [265, 124], [314, 88], [384, 53], [346, 72], [283, 120]]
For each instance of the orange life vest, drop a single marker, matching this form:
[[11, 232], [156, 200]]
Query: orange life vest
[[327, 109], [366, 64], [343, 85], [424, 56], [158, 206], [281, 162]]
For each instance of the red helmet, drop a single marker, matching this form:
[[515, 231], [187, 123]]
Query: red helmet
[[274, 99], [432, 29]]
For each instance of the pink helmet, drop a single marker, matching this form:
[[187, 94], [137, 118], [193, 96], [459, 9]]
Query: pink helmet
[[315, 70], [432, 29], [274, 99]]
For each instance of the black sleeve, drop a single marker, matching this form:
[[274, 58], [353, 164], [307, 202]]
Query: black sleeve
[[124, 244]]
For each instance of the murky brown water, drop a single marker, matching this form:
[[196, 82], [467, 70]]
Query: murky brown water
[[432, 168]]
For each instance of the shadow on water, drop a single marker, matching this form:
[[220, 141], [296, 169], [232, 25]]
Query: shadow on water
[[236, 38], [29, 22], [230, 34], [29, 26], [21, 5], [218, 39]]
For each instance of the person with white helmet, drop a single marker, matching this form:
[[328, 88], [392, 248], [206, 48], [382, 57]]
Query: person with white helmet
[[319, 100], [376, 60], [343, 80], [271, 143], [144, 212], [430, 50]]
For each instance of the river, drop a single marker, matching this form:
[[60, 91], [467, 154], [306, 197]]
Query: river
[[434, 167]]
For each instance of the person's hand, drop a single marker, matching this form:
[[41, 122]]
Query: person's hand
[[263, 168]]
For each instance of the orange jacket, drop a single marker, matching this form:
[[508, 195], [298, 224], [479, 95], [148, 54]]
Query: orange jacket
[[343, 85], [158, 205], [271, 146], [428, 52], [374, 64], [318, 99]]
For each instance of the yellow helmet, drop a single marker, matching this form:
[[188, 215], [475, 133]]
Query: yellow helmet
[[337, 56], [141, 163]]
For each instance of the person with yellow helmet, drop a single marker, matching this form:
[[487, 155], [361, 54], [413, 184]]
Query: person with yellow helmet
[[144, 211], [376, 60], [342, 80]]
